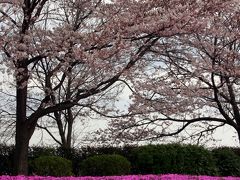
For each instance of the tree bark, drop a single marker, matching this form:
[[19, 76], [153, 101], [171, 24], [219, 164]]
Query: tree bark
[[24, 130], [70, 126], [21, 149]]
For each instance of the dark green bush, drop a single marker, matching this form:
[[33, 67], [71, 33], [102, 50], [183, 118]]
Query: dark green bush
[[52, 166], [227, 162], [6, 159], [173, 158], [105, 165]]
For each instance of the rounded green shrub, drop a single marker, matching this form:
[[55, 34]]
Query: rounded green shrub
[[105, 165], [227, 162], [173, 158], [52, 166]]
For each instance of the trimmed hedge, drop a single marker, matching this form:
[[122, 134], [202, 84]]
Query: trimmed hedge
[[154, 159], [227, 162], [105, 165], [173, 158], [52, 166]]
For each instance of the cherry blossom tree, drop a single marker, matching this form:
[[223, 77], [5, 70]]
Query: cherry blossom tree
[[39, 44], [62, 120], [190, 86]]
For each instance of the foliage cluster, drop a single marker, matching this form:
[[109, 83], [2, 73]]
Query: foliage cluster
[[150, 159]]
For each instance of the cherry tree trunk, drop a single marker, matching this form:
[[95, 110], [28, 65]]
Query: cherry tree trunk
[[24, 129], [21, 149], [21, 138]]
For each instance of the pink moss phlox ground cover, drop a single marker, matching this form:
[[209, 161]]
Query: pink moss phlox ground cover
[[130, 177]]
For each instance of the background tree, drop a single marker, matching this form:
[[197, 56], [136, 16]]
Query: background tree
[[76, 16], [82, 114]]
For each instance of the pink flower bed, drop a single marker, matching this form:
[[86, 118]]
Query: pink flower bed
[[130, 177]]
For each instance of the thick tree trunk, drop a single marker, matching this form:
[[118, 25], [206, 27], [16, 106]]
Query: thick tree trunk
[[21, 150], [22, 137], [24, 130]]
